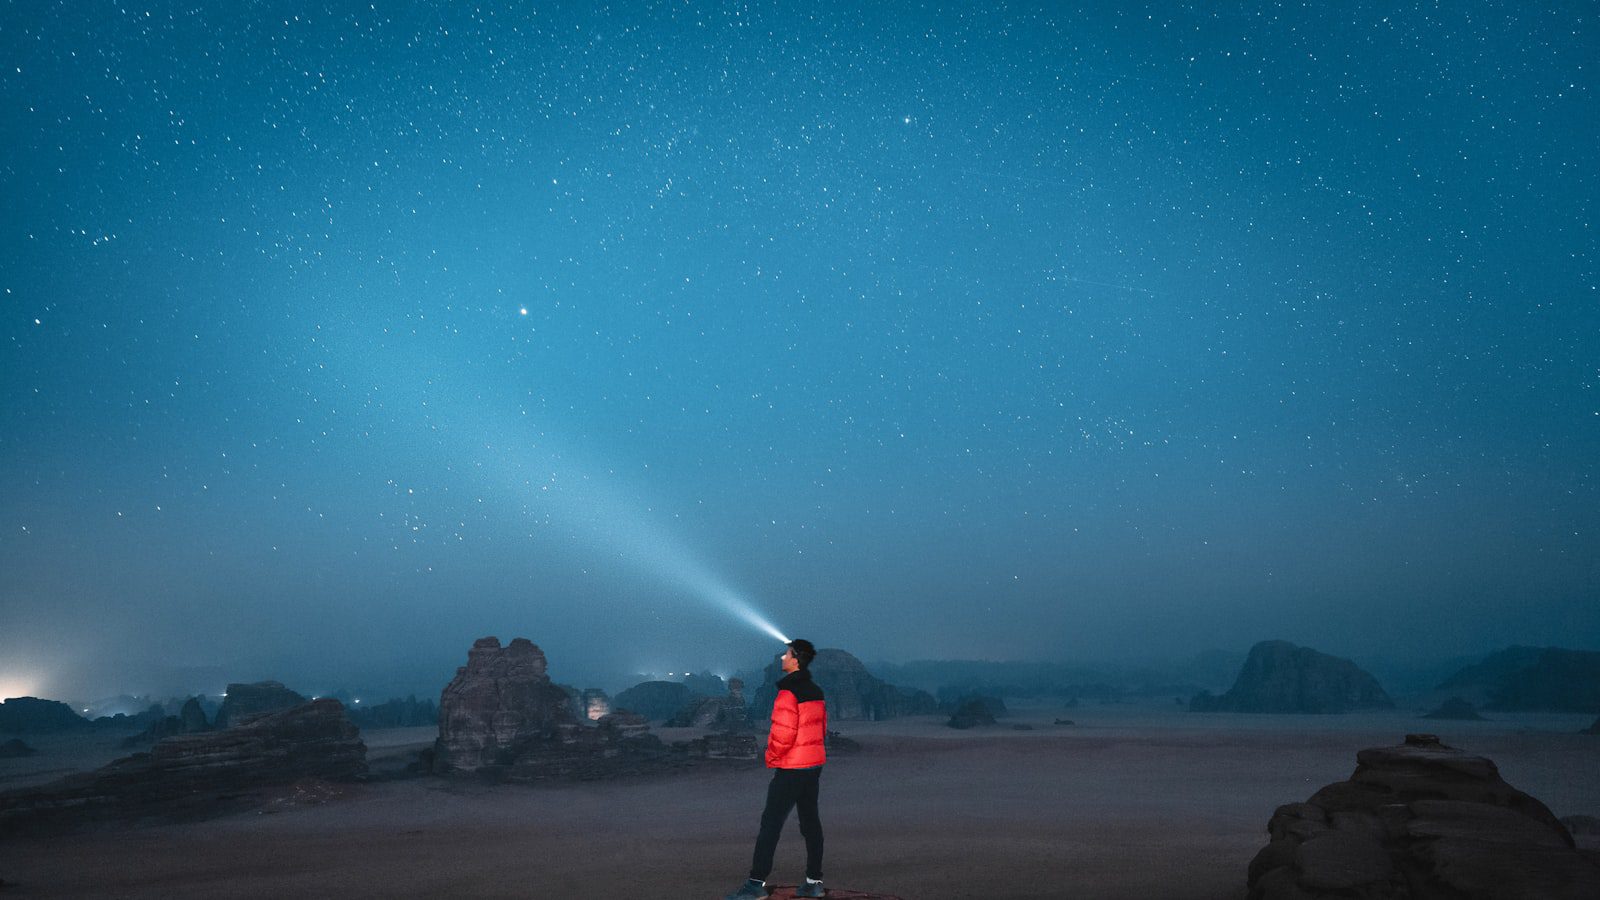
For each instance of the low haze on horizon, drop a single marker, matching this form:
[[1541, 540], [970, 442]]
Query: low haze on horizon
[[332, 342]]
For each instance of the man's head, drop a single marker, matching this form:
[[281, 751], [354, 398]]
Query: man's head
[[799, 655]]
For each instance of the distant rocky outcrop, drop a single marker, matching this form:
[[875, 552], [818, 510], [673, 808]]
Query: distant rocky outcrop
[[706, 684], [395, 713], [1421, 820], [500, 700], [972, 712], [199, 774], [1593, 729], [595, 704], [244, 700], [30, 715], [725, 713], [655, 700], [1547, 679], [851, 691], [1279, 677], [15, 748], [191, 719], [996, 705], [1456, 709]]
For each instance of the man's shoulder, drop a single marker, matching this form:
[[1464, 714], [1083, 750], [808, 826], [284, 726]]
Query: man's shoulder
[[805, 690]]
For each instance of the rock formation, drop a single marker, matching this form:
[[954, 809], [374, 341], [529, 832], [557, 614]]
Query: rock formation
[[1421, 820], [192, 717], [726, 713], [395, 713], [14, 748], [705, 684], [500, 700], [655, 700], [1593, 729], [244, 700], [1531, 678], [30, 715], [596, 705], [1456, 709], [199, 774], [996, 705], [972, 713], [1279, 677], [851, 691]]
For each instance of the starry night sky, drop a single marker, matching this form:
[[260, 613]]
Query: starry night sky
[[337, 335]]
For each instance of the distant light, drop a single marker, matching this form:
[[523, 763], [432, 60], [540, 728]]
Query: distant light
[[523, 311]]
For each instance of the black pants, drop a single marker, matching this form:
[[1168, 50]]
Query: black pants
[[790, 788]]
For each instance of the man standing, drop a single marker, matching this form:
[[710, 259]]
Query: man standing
[[795, 751]]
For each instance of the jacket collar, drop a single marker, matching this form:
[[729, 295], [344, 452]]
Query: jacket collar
[[794, 678]]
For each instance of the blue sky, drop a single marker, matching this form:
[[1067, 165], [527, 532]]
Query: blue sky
[[337, 335]]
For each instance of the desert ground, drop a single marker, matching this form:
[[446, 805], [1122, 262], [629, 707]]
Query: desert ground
[[1128, 802]]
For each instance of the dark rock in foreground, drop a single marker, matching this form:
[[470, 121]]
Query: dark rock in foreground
[[852, 692], [30, 715], [1593, 729], [15, 748], [244, 700], [1532, 678], [199, 774], [1421, 820], [1456, 709], [1279, 677]]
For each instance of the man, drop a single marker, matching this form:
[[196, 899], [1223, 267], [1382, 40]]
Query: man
[[795, 751]]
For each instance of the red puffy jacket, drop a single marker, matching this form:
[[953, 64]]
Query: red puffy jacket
[[799, 724]]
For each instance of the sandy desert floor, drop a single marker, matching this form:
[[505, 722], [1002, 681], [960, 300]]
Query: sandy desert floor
[[1130, 802]]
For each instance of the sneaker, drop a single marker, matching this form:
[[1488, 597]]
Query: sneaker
[[750, 890], [809, 888]]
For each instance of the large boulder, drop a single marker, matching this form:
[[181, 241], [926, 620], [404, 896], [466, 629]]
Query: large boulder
[[1531, 678], [199, 774], [1279, 677], [500, 700], [242, 701], [657, 701], [30, 715], [851, 691], [1421, 820]]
